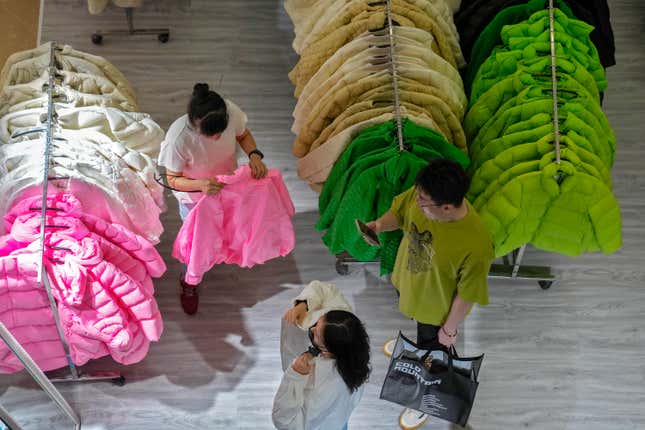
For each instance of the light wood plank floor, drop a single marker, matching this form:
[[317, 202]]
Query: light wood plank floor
[[567, 358]]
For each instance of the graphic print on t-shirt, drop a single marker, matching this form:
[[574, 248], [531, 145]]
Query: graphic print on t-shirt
[[420, 251]]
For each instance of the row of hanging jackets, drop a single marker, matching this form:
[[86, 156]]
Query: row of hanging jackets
[[102, 210], [345, 122], [521, 191]]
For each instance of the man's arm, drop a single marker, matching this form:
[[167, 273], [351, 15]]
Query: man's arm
[[458, 311], [387, 222]]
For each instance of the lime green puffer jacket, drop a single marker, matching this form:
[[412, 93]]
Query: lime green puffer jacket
[[541, 125], [490, 36], [492, 170], [503, 64], [533, 101], [557, 208], [490, 102]]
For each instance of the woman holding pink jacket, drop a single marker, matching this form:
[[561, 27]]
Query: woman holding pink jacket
[[199, 146]]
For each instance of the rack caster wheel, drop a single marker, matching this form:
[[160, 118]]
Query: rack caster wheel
[[119, 382], [164, 37], [341, 268], [97, 39], [545, 285]]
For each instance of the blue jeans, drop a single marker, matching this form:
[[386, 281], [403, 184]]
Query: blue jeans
[[184, 209]]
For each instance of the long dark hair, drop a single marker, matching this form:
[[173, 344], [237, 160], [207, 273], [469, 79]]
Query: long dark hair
[[345, 337], [210, 108]]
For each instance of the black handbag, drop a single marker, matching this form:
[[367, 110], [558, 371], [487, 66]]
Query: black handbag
[[436, 382]]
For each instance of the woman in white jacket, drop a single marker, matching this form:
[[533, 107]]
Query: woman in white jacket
[[320, 391]]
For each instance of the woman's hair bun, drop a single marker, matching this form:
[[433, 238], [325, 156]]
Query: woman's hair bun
[[200, 90]]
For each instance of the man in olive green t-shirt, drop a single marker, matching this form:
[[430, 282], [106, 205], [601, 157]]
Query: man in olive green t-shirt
[[444, 257], [443, 260]]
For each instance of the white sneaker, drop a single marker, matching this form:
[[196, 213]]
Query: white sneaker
[[411, 419], [388, 347]]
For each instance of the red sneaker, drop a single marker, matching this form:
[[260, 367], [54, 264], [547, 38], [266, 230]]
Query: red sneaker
[[189, 297]]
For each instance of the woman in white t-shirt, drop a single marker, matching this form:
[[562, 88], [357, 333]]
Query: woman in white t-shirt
[[199, 146]]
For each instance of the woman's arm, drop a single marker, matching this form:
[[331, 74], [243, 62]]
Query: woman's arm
[[315, 297], [179, 182], [288, 404], [321, 295], [247, 143]]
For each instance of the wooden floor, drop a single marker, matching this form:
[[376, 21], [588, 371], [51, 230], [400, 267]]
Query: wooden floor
[[568, 358]]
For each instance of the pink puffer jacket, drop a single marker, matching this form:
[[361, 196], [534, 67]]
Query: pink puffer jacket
[[25, 310], [27, 226], [66, 203], [102, 286]]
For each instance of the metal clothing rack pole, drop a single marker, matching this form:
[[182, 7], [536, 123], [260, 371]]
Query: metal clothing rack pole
[[395, 76], [42, 275], [512, 268], [554, 83], [43, 278], [39, 377], [344, 260], [6, 421]]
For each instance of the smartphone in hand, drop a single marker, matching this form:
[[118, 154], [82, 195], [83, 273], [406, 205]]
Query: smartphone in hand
[[368, 234], [313, 350]]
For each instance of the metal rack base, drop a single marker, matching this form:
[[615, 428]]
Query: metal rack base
[[6, 421], [541, 274], [163, 34], [344, 260], [115, 378]]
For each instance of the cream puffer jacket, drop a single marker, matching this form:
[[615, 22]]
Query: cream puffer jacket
[[26, 66], [137, 131], [85, 161]]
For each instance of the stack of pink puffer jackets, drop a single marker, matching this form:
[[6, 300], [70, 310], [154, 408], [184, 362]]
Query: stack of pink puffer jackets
[[247, 223], [101, 277]]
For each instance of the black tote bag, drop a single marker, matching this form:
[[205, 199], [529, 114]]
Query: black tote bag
[[436, 382]]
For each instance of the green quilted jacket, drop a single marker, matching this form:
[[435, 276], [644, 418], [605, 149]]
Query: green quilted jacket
[[361, 163]]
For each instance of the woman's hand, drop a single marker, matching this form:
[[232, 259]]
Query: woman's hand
[[303, 364], [258, 168], [209, 186], [296, 314]]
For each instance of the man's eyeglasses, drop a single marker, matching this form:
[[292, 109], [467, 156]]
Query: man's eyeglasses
[[424, 203]]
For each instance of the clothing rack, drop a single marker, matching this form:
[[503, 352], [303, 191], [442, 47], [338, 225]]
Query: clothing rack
[[39, 377], [511, 268], [6, 422], [343, 259], [43, 279]]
